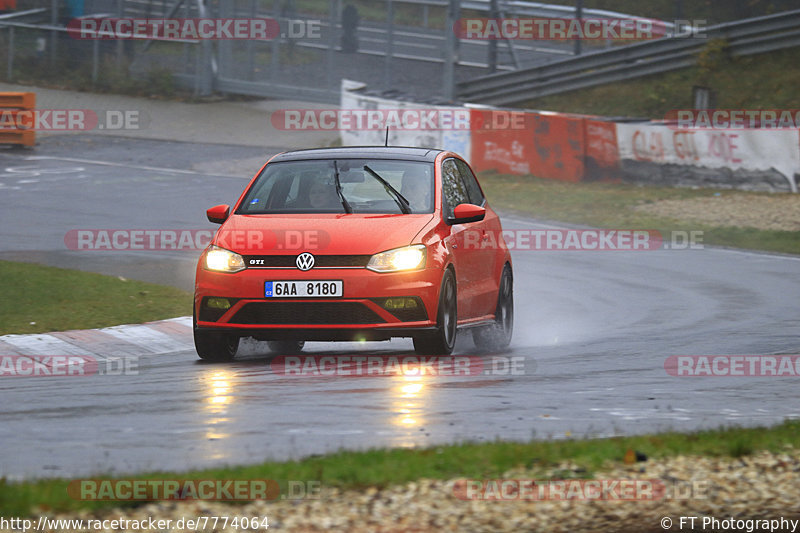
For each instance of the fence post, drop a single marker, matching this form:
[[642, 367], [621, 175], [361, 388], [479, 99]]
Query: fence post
[[10, 52], [207, 62], [95, 59], [250, 48], [332, 16], [53, 34], [448, 85], [494, 13], [387, 65], [274, 55], [120, 43]]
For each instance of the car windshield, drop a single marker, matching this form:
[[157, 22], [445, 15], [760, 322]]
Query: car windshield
[[311, 187]]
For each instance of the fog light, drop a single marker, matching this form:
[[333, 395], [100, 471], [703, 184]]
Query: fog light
[[218, 303], [400, 303]]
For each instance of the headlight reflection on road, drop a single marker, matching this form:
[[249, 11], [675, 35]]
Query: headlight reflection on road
[[409, 404], [218, 386]]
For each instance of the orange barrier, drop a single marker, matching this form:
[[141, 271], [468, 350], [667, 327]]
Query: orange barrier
[[602, 153], [543, 144], [10, 105]]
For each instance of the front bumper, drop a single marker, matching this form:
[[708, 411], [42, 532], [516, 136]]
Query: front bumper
[[362, 313]]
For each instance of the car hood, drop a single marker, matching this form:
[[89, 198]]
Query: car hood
[[327, 234]]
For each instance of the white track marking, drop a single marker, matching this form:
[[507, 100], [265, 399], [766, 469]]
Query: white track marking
[[147, 338], [122, 165], [43, 344]]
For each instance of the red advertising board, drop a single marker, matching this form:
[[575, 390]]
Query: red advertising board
[[542, 144]]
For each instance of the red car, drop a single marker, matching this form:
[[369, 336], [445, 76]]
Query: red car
[[356, 243]]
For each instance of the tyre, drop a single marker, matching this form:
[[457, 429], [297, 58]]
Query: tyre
[[286, 347], [498, 335], [215, 345], [442, 341]]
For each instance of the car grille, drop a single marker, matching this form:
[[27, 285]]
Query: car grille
[[320, 261], [305, 313]]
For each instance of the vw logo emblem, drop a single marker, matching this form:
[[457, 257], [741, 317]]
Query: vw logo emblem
[[305, 261]]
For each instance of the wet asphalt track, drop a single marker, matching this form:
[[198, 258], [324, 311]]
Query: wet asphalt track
[[593, 329]]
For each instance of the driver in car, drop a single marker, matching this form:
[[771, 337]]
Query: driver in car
[[416, 188], [323, 195]]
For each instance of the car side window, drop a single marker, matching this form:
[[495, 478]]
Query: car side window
[[473, 189], [453, 189]]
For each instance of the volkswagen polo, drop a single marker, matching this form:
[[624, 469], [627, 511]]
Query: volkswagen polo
[[355, 244]]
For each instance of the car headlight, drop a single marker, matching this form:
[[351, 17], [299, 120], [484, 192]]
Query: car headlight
[[222, 260], [406, 258]]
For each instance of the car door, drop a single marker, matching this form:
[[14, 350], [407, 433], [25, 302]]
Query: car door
[[466, 255], [483, 243]]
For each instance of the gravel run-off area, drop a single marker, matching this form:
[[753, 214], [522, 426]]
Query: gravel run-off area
[[767, 212], [763, 485]]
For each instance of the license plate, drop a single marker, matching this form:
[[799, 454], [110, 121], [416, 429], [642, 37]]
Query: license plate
[[304, 289]]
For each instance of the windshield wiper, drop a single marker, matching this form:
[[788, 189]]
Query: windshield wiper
[[401, 201], [345, 203]]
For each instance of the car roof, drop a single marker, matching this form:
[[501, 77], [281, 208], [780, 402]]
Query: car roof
[[406, 153]]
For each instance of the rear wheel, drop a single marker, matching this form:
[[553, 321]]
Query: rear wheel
[[286, 347], [214, 345], [498, 335], [442, 341]]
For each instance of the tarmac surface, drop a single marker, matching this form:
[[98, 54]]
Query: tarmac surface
[[593, 330]]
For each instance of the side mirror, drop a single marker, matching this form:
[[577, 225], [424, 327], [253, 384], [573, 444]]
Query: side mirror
[[218, 214], [464, 213]]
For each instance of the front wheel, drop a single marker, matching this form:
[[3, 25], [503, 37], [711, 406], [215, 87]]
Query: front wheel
[[498, 335], [215, 345], [442, 341]]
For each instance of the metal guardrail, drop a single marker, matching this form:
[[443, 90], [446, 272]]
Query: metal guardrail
[[538, 9], [745, 37]]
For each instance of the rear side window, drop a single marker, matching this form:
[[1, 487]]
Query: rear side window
[[473, 189], [453, 187]]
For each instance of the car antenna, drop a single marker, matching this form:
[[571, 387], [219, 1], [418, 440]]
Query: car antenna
[[386, 142]]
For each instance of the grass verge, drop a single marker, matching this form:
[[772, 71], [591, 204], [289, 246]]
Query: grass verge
[[381, 468], [38, 299], [763, 81], [610, 205]]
